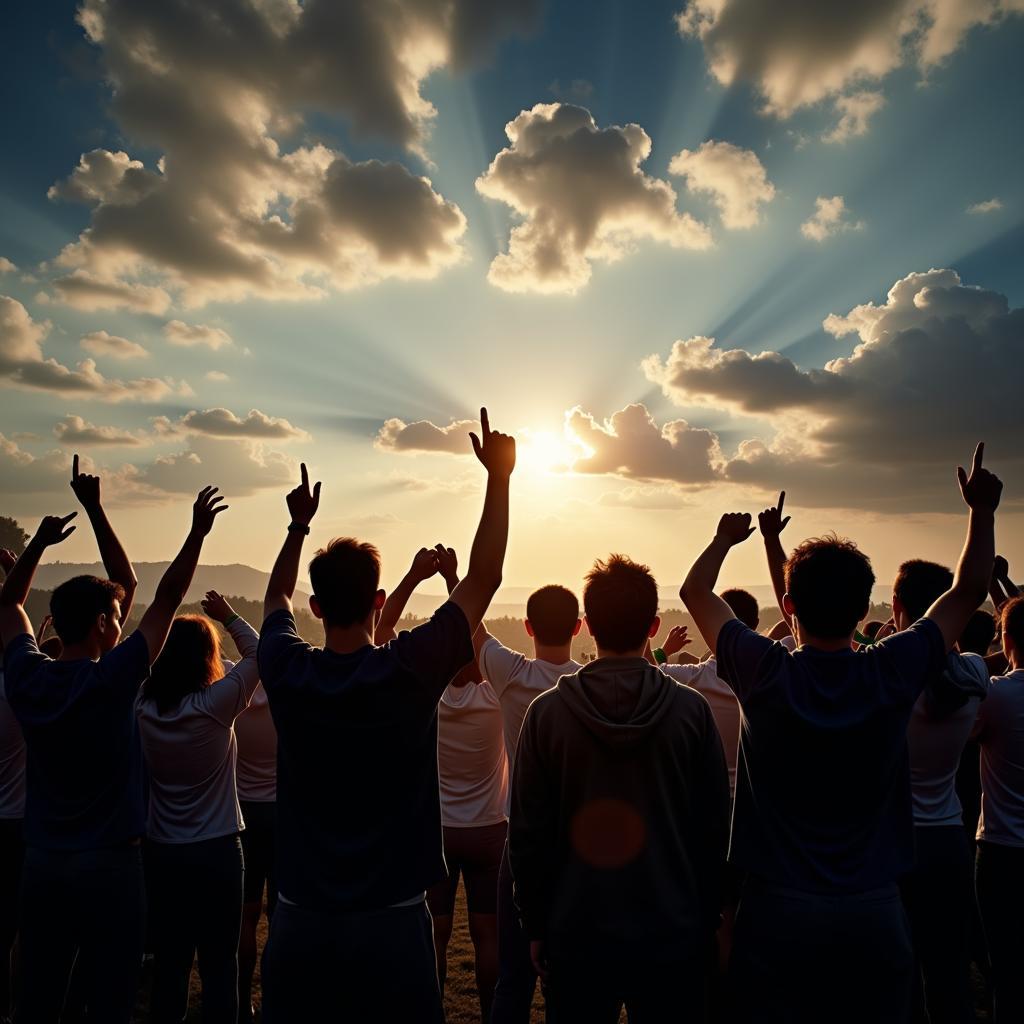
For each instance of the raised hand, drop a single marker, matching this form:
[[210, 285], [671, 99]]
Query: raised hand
[[7, 559], [447, 562], [676, 640], [85, 485], [217, 607], [497, 452], [770, 520], [54, 529], [302, 502], [981, 490], [424, 564], [1000, 569], [734, 527], [205, 510]]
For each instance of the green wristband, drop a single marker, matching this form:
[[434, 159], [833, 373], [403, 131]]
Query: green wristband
[[660, 656], [231, 619]]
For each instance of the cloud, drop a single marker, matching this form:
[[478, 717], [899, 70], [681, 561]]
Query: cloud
[[582, 196], [987, 206], [104, 177], [217, 376], [100, 343], [223, 423], [855, 111], [423, 436], [75, 431], [6, 266], [24, 473], [23, 365], [734, 178], [829, 218], [190, 335], [90, 292]]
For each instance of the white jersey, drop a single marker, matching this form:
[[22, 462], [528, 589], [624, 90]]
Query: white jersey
[[257, 751]]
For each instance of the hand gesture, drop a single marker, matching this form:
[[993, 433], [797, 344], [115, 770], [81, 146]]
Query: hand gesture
[[424, 564], [7, 560], [676, 640], [1000, 569], [981, 490], [85, 486], [217, 607], [52, 529], [496, 451], [303, 503], [447, 562], [205, 510], [770, 520], [735, 527]]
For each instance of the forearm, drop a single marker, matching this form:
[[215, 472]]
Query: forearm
[[703, 574], [776, 555], [488, 552], [285, 574], [974, 570], [1011, 588], [996, 594], [177, 578], [394, 606], [19, 580], [116, 562]]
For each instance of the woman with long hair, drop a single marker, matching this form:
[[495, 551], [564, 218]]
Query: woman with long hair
[[194, 865]]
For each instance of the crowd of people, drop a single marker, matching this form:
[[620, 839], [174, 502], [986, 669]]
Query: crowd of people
[[823, 821]]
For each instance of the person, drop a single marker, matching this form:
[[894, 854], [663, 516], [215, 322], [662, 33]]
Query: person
[[822, 823], [82, 885], [619, 823], [186, 712], [1000, 859], [552, 621], [938, 893], [357, 727]]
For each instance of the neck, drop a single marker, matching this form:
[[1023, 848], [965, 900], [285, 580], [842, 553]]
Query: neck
[[603, 652], [346, 639], [830, 644], [76, 652], [557, 654]]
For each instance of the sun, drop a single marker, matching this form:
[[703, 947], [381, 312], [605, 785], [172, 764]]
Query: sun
[[543, 452]]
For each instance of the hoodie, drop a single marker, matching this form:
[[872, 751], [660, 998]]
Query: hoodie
[[620, 816]]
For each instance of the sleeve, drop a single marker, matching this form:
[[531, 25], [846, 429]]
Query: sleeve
[[684, 674], [227, 699], [126, 667], [279, 643], [741, 655], [712, 821], [435, 651], [21, 659], [498, 665], [914, 656]]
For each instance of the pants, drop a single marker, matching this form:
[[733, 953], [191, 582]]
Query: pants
[[476, 854], [12, 854], [375, 965], [196, 904], [803, 958], [259, 838], [93, 901], [517, 979], [939, 897], [999, 877]]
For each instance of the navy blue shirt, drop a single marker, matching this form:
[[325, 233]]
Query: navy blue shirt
[[822, 780], [83, 767], [358, 811]]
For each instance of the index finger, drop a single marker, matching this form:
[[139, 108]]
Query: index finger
[[782, 501], [68, 518], [979, 454], [305, 476], [74, 467], [485, 423]]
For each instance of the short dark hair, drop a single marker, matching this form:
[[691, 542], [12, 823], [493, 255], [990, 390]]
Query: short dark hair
[[345, 577], [829, 581], [743, 605], [979, 633], [620, 598], [872, 627], [78, 602], [1012, 618], [553, 612], [918, 585]]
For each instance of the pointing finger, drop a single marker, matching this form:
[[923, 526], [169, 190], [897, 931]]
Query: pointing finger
[[74, 467], [782, 501], [979, 454], [68, 518], [485, 423], [305, 476], [476, 442]]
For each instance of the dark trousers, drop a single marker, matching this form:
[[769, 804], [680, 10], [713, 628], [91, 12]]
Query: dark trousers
[[195, 893], [803, 958], [375, 965], [513, 995], [939, 896], [999, 877], [93, 901], [12, 854]]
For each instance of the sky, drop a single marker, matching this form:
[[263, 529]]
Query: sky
[[688, 253]]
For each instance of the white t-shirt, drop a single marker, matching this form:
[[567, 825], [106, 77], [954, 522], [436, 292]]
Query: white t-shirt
[[471, 764], [257, 751], [12, 761], [725, 708], [190, 752], [1001, 734], [935, 746]]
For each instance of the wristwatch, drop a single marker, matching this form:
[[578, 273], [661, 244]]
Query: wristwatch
[[660, 656], [296, 527]]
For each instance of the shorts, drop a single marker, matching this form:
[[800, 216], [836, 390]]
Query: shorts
[[259, 839], [476, 853]]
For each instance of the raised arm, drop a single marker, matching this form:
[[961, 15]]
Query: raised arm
[[771, 524], [177, 577], [981, 491], [1001, 588], [709, 611], [230, 697], [302, 506], [424, 565], [497, 453], [116, 563]]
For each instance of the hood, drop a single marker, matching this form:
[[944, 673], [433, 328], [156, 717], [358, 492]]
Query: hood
[[619, 700]]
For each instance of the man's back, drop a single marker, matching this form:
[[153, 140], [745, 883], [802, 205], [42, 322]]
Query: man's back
[[1001, 733]]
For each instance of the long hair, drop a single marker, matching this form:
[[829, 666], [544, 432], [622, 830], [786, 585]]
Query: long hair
[[189, 661]]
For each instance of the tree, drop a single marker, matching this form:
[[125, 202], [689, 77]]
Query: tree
[[12, 535]]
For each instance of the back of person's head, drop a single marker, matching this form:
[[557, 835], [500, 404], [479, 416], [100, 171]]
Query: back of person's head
[[553, 615], [77, 605], [918, 585], [829, 581], [620, 599], [190, 660], [346, 578], [978, 634], [872, 627], [743, 605], [1012, 619]]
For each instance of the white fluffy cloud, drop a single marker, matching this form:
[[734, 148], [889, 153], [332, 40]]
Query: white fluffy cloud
[[219, 422], [6, 266], [423, 436], [74, 431], [734, 178], [101, 343], [855, 112], [87, 291], [986, 206], [830, 217], [177, 332], [582, 196]]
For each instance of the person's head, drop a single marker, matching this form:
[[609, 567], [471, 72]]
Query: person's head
[[553, 616], [1012, 620], [86, 610], [828, 587], [190, 660], [978, 634], [743, 605], [871, 628], [346, 583], [918, 584], [620, 599]]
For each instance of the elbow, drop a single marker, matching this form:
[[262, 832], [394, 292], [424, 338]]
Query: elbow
[[686, 591]]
